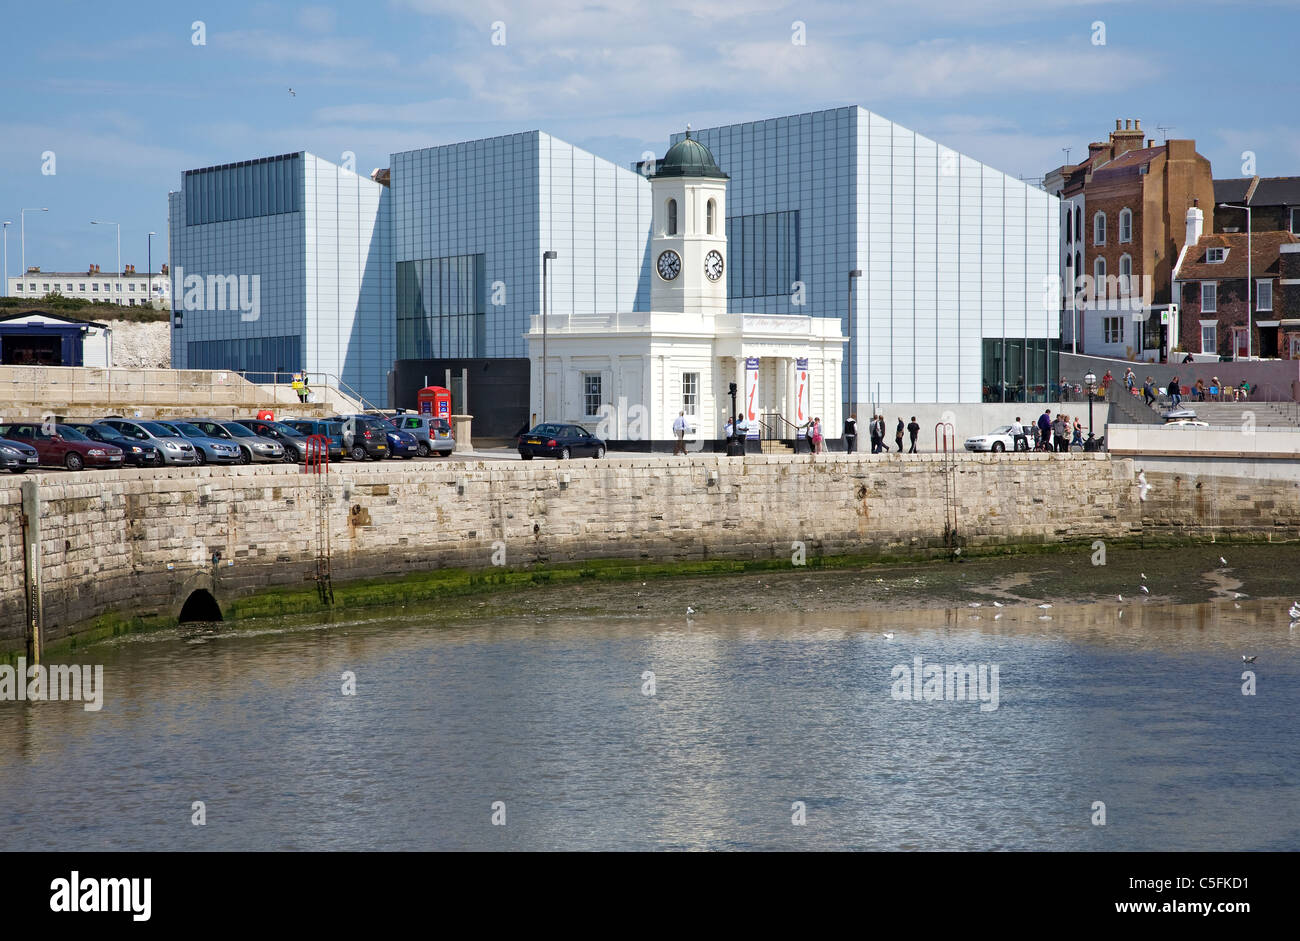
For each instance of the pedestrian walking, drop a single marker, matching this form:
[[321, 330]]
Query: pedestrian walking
[[1019, 440], [913, 429], [898, 435], [851, 434], [816, 436], [1130, 380], [1077, 440], [1060, 434], [1045, 430], [877, 434], [679, 429], [1175, 392], [1149, 391]]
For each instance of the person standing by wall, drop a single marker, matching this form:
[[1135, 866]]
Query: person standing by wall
[[1175, 392], [877, 434], [851, 434], [1045, 429], [1060, 433], [898, 434], [913, 429], [1019, 440], [679, 430]]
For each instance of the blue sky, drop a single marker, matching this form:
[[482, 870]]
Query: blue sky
[[125, 100]]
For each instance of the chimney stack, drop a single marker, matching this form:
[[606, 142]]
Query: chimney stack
[[1195, 223]]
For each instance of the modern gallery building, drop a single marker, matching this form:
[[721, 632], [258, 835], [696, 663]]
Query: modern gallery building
[[439, 260]]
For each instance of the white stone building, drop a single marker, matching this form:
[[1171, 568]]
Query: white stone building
[[130, 289], [627, 375]]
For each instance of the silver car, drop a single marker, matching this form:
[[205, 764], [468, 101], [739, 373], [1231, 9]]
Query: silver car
[[172, 448], [432, 435], [252, 446]]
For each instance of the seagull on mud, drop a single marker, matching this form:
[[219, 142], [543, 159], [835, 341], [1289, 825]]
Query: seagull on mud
[[1222, 560], [1246, 659], [1119, 597], [998, 604], [974, 604], [888, 635], [690, 612], [997, 617], [1144, 575], [1144, 589], [1295, 611], [1044, 606]]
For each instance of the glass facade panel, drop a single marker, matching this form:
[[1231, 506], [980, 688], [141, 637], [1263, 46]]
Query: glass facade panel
[[440, 307], [1021, 370], [764, 250], [257, 358], [241, 191]]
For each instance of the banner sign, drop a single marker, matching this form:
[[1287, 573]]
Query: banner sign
[[751, 396], [803, 394]]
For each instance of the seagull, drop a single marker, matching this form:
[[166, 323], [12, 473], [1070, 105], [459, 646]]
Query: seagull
[[917, 580], [888, 635], [974, 604], [292, 93], [1143, 487], [1044, 606], [1044, 617], [1246, 659], [1120, 597], [998, 604], [1222, 560], [1237, 594], [1235, 605], [689, 610], [1295, 611], [1144, 576], [997, 617], [1144, 589]]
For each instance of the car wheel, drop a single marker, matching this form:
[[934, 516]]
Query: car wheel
[[17, 470], [358, 453], [245, 456], [158, 460], [422, 449], [199, 456], [525, 455], [73, 461], [600, 451], [998, 446], [564, 454]]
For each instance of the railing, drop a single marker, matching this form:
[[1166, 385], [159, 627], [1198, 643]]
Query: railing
[[782, 428]]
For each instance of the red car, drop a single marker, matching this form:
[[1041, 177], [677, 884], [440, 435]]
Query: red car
[[63, 446]]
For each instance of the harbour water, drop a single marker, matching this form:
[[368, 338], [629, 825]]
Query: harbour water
[[638, 731]]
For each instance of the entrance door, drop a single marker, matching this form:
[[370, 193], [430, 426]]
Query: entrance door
[[1268, 342], [1240, 349]]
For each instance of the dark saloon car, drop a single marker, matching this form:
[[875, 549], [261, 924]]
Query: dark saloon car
[[552, 439], [139, 453], [293, 441], [17, 456], [62, 446], [330, 429]]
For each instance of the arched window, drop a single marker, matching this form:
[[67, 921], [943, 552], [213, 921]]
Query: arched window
[[709, 212], [1126, 276], [1069, 226], [672, 217], [1099, 281], [1126, 225], [1099, 229]]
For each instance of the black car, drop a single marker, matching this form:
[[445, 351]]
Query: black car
[[552, 439], [364, 436], [17, 456], [139, 453]]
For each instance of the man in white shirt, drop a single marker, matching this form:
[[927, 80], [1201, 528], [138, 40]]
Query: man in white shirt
[[679, 429]]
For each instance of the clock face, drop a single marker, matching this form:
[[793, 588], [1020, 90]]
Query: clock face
[[669, 265], [713, 265]]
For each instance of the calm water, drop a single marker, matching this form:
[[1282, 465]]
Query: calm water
[[750, 715]]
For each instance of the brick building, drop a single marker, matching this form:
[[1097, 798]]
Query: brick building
[[1274, 204], [1122, 229], [1212, 282]]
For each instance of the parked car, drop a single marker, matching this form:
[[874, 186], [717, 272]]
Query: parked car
[[551, 439], [330, 429], [1186, 423], [18, 456], [139, 453], [364, 436], [1002, 438], [291, 440], [209, 450], [172, 447], [62, 446], [252, 446], [432, 435]]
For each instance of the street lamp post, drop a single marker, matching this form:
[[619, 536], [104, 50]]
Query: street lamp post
[[547, 256], [5, 226], [117, 284], [22, 236], [1249, 282], [853, 276], [1090, 382]]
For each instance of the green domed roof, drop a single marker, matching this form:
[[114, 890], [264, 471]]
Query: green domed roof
[[688, 157]]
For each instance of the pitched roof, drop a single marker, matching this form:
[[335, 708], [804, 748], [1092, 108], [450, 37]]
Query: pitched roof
[[1264, 251], [1126, 164], [1268, 191]]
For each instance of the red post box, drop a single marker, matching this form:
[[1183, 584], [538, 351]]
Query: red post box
[[435, 401]]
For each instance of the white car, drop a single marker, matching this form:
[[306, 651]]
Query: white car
[[999, 439], [1186, 423]]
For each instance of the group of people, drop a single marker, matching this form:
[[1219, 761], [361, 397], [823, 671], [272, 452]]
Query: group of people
[[1049, 434], [877, 429], [1200, 390]]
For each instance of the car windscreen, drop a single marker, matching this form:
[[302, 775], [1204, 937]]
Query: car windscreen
[[1004, 430], [238, 430], [284, 429], [160, 430], [71, 434], [185, 428], [548, 430]]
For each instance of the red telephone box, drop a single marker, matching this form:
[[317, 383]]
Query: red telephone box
[[435, 401]]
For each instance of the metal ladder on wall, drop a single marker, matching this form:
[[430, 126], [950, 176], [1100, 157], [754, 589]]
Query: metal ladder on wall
[[945, 444], [318, 463]]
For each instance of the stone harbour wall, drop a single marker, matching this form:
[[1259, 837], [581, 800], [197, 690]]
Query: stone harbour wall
[[140, 542]]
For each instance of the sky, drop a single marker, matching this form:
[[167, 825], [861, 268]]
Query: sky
[[104, 105]]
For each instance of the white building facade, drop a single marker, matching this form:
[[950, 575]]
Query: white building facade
[[130, 289]]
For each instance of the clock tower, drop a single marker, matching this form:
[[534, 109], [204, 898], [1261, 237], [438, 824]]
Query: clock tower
[[688, 244]]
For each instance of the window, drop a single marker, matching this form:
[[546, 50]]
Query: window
[[1209, 343], [591, 394], [1125, 225], [81, 288], [1264, 295], [1113, 329], [1209, 297], [1078, 225], [240, 191], [31, 286], [1295, 221], [1099, 229], [690, 391], [131, 287], [441, 307], [68, 286], [45, 286], [94, 286], [764, 254], [1099, 282], [1069, 226], [133, 302], [1126, 275], [107, 286], [671, 227], [19, 286], [710, 213], [1216, 256]]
